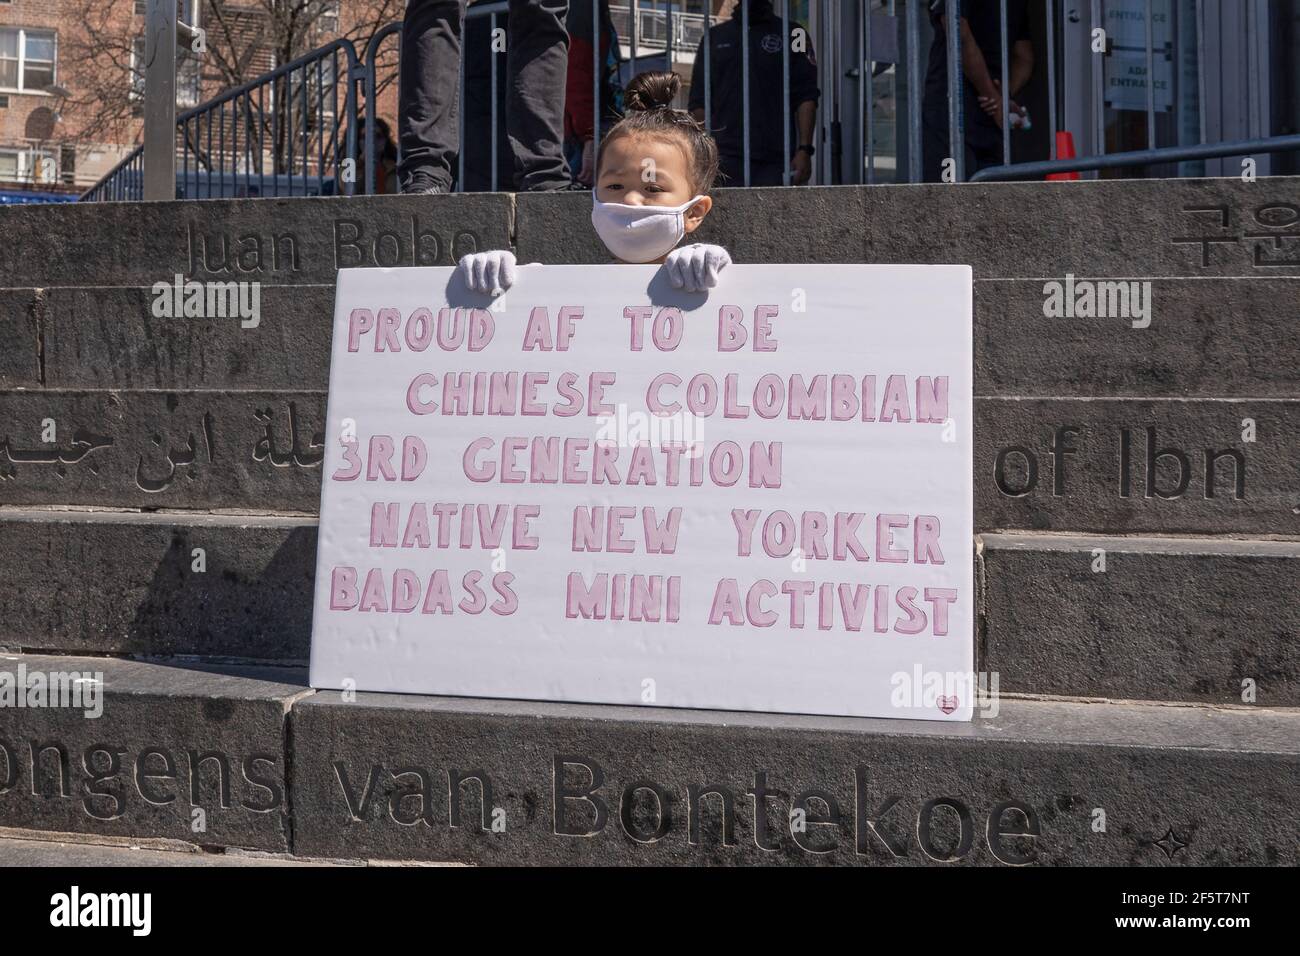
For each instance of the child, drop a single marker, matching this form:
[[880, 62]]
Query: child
[[652, 180]]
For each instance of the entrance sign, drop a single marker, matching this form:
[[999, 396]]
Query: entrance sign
[[597, 488]]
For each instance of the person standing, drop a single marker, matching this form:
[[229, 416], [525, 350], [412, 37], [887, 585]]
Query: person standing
[[580, 132], [981, 65], [767, 160], [537, 48], [385, 156]]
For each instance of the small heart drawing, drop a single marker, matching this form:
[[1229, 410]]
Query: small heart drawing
[[947, 704]]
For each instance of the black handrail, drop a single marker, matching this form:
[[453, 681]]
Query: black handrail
[[115, 185], [372, 52], [1141, 157]]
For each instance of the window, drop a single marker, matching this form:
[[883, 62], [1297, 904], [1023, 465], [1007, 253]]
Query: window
[[327, 22], [187, 74], [26, 59], [68, 165], [137, 68], [187, 78], [27, 165], [186, 10], [327, 89], [9, 59]]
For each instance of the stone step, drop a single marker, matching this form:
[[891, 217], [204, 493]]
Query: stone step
[[1208, 337], [1160, 466], [20, 337], [398, 777], [1129, 466], [188, 753], [157, 585], [1042, 782], [1170, 227], [1185, 619], [1171, 619], [282, 241], [42, 850], [1182, 227], [250, 451], [108, 337]]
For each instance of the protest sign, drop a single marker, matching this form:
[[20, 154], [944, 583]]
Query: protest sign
[[597, 488]]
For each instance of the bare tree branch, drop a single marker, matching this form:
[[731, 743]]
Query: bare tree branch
[[243, 41]]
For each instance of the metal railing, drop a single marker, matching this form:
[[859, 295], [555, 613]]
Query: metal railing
[[654, 27], [123, 183], [290, 131], [286, 133], [1142, 157], [1152, 154], [369, 84]]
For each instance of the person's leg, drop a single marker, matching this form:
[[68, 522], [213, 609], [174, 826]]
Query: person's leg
[[429, 91], [732, 170], [537, 62], [985, 147], [934, 145], [766, 174], [573, 155]]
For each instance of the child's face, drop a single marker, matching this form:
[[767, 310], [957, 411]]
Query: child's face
[[646, 171]]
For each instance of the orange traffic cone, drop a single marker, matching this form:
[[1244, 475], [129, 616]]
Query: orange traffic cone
[[1064, 150]]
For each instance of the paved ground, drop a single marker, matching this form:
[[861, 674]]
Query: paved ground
[[18, 849], [20, 852]]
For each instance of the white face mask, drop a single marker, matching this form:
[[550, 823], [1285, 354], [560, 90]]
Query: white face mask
[[640, 233]]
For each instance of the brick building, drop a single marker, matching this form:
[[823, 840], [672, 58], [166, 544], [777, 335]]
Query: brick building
[[71, 87], [32, 130]]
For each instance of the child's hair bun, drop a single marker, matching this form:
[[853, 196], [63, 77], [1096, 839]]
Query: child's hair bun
[[652, 90], [649, 112]]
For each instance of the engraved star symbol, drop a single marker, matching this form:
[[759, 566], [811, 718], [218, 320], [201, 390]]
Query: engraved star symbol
[[1170, 843]]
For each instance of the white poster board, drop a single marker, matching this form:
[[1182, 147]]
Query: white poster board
[[600, 489]]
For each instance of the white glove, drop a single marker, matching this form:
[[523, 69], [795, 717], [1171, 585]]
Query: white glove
[[695, 268], [489, 272]]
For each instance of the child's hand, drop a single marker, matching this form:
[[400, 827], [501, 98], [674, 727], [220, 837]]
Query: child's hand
[[695, 268], [489, 272]]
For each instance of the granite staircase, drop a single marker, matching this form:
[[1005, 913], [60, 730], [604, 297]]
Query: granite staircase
[[1138, 551]]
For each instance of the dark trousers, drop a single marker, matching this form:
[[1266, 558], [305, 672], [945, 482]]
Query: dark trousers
[[429, 86], [983, 138], [732, 170]]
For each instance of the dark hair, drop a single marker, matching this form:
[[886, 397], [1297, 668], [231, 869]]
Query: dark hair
[[757, 8], [649, 98]]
